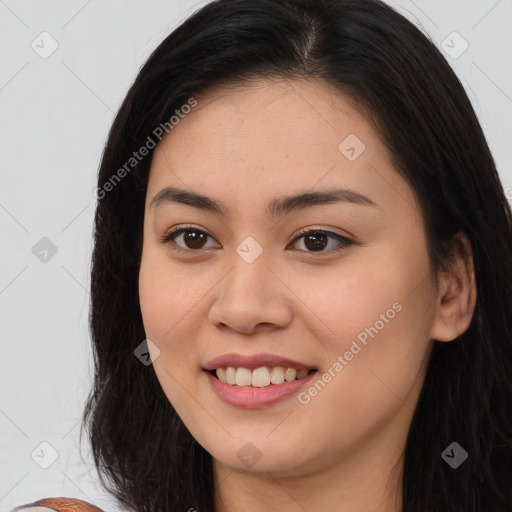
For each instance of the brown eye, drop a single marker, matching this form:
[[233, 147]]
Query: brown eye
[[317, 240], [190, 238], [194, 239]]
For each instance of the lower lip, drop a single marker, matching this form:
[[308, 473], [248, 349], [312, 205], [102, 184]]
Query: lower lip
[[256, 398]]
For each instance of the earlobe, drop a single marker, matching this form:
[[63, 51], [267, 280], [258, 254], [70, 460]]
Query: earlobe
[[457, 293]]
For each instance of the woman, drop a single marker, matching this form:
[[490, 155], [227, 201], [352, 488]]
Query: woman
[[301, 226]]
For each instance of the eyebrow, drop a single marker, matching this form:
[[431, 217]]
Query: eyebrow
[[277, 206]]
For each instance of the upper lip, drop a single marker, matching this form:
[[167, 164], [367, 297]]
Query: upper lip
[[254, 361]]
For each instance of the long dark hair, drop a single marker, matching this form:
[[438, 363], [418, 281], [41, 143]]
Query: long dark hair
[[400, 80]]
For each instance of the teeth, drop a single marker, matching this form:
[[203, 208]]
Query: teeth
[[277, 375], [243, 377], [302, 373], [290, 374], [230, 375], [259, 377]]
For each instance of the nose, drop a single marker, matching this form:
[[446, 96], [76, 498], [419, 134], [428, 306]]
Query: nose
[[252, 297]]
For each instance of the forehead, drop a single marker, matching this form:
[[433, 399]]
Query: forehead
[[276, 112], [270, 136]]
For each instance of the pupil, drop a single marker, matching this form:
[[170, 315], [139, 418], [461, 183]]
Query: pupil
[[193, 241], [316, 244]]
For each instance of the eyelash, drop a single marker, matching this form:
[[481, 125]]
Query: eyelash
[[345, 242]]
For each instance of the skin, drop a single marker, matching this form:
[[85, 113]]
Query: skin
[[244, 146]]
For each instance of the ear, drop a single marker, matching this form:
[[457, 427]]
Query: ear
[[456, 297]]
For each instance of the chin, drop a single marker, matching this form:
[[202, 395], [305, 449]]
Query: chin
[[251, 460]]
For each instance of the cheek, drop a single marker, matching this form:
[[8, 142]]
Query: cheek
[[162, 303], [344, 305], [172, 302], [377, 317], [167, 294], [154, 297]]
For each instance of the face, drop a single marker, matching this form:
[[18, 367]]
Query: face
[[336, 285]]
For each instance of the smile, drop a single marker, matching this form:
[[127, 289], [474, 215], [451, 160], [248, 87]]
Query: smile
[[253, 397], [260, 377]]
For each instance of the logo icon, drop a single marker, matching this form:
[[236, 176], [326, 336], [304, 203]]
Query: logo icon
[[44, 455], [147, 352], [455, 45], [351, 147], [454, 455], [44, 250], [44, 45], [249, 454], [249, 249]]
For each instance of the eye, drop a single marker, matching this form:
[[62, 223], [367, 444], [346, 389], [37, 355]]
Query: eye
[[189, 235], [315, 240]]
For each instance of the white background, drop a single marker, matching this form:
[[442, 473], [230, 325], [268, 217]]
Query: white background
[[55, 116]]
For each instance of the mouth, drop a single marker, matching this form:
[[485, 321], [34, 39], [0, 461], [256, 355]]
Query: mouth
[[264, 376]]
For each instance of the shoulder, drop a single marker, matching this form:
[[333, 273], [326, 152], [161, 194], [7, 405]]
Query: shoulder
[[59, 505]]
